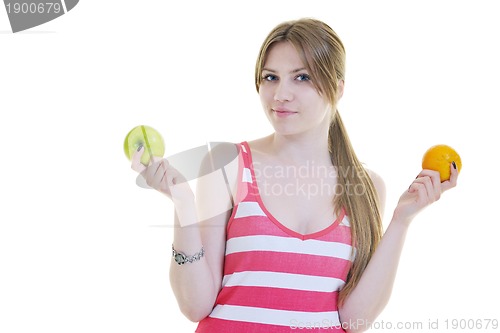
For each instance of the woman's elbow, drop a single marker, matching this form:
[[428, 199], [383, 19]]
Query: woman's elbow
[[353, 321], [195, 313]]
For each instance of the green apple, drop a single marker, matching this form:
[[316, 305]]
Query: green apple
[[147, 137]]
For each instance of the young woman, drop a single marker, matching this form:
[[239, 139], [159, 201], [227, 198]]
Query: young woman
[[297, 241]]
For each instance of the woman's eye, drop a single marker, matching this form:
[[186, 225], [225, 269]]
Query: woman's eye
[[303, 77], [269, 77]]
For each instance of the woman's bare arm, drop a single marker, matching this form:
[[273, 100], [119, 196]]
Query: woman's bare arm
[[199, 222], [373, 291]]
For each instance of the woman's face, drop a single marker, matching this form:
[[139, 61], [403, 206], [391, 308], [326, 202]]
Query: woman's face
[[289, 97]]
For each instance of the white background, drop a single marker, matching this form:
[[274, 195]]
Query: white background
[[80, 246]]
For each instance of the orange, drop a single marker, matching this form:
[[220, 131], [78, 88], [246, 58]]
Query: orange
[[439, 158]]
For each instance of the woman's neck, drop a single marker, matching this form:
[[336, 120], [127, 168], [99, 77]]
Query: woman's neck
[[302, 148]]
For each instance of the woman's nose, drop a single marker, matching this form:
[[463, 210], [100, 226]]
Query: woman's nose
[[283, 92]]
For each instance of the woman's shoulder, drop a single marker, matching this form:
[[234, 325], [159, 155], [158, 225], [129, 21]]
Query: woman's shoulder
[[379, 184], [375, 177], [260, 145]]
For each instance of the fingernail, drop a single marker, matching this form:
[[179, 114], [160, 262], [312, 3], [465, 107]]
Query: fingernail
[[454, 165], [139, 148]]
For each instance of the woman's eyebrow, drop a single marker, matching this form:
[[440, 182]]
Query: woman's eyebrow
[[294, 71]]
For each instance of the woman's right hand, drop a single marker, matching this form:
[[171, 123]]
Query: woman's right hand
[[161, 176]]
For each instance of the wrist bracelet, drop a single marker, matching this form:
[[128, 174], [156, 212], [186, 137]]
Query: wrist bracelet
[[181, 258]]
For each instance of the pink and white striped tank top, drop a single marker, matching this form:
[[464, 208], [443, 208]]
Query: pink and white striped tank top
[[275, 279]]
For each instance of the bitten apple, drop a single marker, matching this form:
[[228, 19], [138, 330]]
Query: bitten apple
[[147, 137]]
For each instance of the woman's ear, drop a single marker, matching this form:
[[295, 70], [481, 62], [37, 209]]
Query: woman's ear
[[340, 89]]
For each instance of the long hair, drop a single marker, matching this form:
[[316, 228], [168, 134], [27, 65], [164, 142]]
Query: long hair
[[323, 55]]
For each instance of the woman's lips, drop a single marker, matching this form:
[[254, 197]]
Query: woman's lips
[[283, 112]]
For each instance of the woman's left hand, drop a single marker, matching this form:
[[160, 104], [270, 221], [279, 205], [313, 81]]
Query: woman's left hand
[[425, 189]]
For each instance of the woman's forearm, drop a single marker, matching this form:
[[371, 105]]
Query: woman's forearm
[[373, 291], [192, 283]]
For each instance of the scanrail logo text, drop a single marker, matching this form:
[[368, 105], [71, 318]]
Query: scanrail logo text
[[26, 14]]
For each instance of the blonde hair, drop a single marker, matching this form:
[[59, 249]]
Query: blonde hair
[[323, 55]]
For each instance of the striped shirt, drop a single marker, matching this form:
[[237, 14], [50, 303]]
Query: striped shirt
[[275, 279]]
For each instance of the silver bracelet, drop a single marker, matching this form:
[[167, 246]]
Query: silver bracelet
[[181, 258]]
